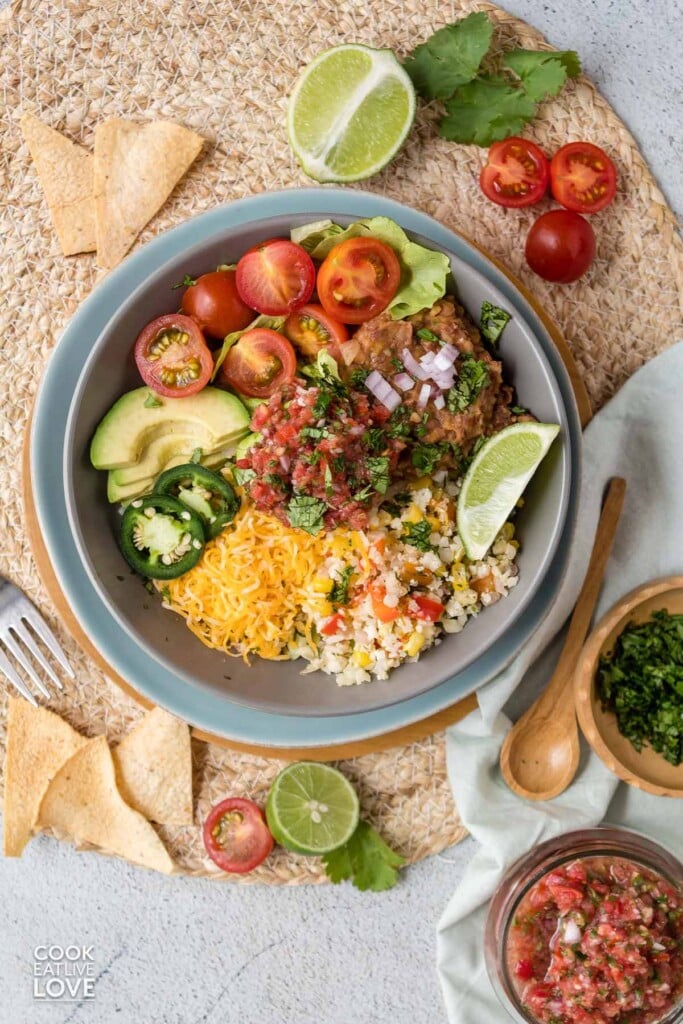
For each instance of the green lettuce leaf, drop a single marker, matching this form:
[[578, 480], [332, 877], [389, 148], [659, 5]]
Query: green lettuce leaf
[[274, 322], [423, 271]]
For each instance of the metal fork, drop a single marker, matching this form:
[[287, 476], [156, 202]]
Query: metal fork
[[17, 613]]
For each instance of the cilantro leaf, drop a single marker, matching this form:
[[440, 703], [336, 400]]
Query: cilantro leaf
[[152, 402], [374, 440], [365, 860], [358, 377], [340, 589], [365, 493], [243, 476], [451, 57], [378, 467], [473, 377], [325, 372], [418, 535], [426, 457], [306, 513], [492, 321], [424, 334], [487, 109], [543, 72]]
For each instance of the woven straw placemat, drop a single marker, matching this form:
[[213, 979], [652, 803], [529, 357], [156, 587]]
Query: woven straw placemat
[[224, 68]]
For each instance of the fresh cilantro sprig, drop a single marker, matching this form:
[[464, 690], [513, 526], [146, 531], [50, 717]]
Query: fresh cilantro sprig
[[473, 377], [418, 534], [340, 588], [483, 107], [306, 513], [493, 321], [365, 860]]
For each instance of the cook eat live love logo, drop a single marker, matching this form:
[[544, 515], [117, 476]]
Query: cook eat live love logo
[[64, 973]]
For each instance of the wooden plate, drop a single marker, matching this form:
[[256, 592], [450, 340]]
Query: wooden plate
[[647, 770]]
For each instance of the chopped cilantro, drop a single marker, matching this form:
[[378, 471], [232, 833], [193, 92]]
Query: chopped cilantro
[[365, 859], [152, 402], [424, 334], [398, 424], [322, 403], [358, 377], [421, 428], [418, 535], [396, 363], [426, 457], [187, 282], [378, 467], [365, 493], [312, 458], [275, 480], [493, 321], [374, 440], [306, 513], [340, 590], [243, 476], [196, 455], [325, 372], [641, 680], [315, 433], [338, 463], [473, 377]]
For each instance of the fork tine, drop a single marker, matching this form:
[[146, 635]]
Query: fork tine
[[7, 667], [26, 637], [50, 641], [14, 648]]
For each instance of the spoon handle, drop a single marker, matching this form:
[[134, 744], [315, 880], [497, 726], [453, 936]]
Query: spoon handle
[[588, 597]]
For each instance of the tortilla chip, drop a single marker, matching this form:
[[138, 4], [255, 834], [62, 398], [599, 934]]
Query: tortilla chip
[[154, 768], [38, 744], [66, 174], [137, 166], [83, 803]]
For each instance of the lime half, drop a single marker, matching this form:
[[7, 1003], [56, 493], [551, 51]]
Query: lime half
[[496, 479], [350, 112], [312, 808]]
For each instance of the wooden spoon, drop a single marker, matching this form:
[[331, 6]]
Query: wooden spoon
[[540, 754]]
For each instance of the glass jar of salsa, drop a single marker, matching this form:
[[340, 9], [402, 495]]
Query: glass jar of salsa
[[588, 929]]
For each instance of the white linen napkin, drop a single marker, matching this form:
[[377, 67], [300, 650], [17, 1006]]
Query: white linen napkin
[[638, 435]]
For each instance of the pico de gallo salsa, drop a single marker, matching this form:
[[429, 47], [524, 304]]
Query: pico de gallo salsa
[[598, 941]]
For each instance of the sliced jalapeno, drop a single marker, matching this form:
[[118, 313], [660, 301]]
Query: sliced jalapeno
[[204, 492], [160, 537]]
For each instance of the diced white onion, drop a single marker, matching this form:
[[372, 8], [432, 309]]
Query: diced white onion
[[444, 381], [404, 381], [427, 362], [658, 946], [382, 390], [423, 397], [444, 359], [572, 932], [412, 366], [439, 402]]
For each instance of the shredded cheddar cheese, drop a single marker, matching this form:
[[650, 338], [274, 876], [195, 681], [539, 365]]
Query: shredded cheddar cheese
[[248, 593]]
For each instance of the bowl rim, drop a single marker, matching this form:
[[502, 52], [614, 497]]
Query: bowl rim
[[220, 716], [534, 575], [584, 681]]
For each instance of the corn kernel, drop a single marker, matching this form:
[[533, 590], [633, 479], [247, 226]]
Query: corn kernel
[[415, 644], [459, 576], [321, 585], [361, 659], [413, 515], [325, 608], [508, 531], [419, 485], [434, 522]]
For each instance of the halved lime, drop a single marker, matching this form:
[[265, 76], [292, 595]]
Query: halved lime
[[496, 479], [350, 112], [312, 808]]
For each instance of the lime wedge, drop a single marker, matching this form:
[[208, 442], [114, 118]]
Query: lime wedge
[[349, 113], [312, 808], [496, 479]]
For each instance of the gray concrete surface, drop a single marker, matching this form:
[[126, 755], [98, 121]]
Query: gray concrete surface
[[193, 952]]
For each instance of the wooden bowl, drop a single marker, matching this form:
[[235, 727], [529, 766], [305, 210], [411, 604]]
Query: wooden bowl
[[647, 770]]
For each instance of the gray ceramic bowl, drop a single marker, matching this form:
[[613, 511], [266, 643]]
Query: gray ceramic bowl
[[279, 686]]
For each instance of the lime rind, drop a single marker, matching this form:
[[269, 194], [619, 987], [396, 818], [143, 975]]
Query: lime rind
[[496, 480], [347, 136], [312, 808]]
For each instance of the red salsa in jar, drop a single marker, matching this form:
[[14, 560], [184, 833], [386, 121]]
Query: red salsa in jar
[[598, 941]]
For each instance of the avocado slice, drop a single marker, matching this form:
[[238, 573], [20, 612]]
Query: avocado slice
[[245, 444], [127, 492], [168, 451], [215, 418], [120, 488]]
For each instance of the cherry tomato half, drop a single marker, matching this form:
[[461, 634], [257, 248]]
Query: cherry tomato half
[[275, 277], [516, 173], [358, 279], [215, 306], [311, 329], [560, 246], [236, 836], [260, 363], [428, 608], [173, 357], [582, 177]]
